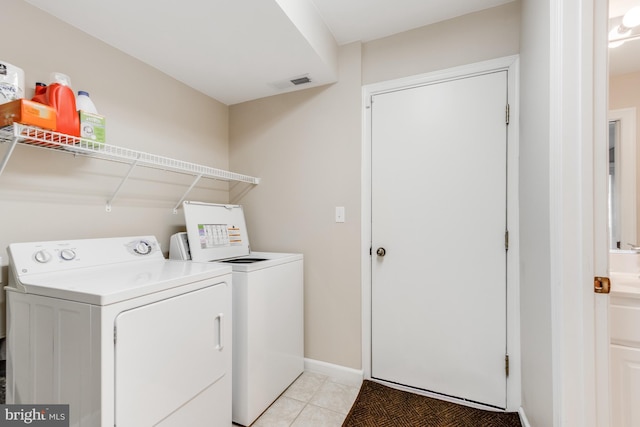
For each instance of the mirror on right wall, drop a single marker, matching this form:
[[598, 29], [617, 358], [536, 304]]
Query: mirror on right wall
[[624, 110]]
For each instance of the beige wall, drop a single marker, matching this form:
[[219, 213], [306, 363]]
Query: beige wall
[[47, 195], [479, 36], [535, 227], [306, 147], [624, 92]]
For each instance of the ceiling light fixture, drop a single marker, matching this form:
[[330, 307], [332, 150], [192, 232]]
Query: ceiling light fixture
[[631, 19], [622, 32]]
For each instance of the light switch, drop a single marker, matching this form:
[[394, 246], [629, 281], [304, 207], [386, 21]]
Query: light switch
[[339, 213]]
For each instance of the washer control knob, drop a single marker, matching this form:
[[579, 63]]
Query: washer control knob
[[143, 248], [42, 256], [67, 254]]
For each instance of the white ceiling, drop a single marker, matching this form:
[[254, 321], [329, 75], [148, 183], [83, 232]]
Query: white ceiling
[[239, 50], [365, 20]]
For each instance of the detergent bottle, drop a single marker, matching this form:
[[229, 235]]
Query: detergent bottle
[[84, 103], [60, 96]]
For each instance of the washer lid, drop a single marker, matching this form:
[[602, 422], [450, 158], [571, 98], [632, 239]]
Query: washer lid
[[269, 260], [215, 231]]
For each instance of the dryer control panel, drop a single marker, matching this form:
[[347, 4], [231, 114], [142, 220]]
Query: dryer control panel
[[52, 256]]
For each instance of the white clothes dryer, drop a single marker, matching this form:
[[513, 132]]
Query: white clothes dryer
[[268, 305], [122, 335]]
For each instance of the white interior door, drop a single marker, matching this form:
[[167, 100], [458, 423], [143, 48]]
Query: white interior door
[[439, 211]]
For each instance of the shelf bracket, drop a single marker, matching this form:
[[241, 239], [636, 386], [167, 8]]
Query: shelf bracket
[[175, 209], [115, 194], [8, 153]]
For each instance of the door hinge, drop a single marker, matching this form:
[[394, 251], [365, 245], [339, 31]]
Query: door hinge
[[506, 240], [507, 114], [601, 285], [506, 364]]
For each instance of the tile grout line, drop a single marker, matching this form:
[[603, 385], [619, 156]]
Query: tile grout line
[[311, 398]]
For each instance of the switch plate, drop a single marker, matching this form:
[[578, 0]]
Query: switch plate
[[339, 213]]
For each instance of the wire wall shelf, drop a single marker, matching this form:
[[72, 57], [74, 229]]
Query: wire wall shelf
[[21, 134]]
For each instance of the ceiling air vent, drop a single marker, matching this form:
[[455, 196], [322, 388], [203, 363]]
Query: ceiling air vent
[[301, 80], [291, 82]]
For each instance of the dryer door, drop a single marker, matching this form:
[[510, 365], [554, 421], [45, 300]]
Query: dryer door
[[171, 358]]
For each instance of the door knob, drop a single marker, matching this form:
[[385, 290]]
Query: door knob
[[381, 252]]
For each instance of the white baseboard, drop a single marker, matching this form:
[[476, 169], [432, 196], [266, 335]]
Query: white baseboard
[[340, 373], [523, 418]]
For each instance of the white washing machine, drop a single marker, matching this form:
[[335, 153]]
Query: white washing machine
[[268, 305], [122, 335]]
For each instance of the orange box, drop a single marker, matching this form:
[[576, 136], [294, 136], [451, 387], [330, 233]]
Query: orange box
[[28, 113]]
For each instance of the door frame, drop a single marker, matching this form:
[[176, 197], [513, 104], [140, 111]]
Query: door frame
[[578, 211], [511, 65]]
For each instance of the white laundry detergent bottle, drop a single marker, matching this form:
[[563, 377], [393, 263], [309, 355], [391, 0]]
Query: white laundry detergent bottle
[[92, 125], [84, 103]]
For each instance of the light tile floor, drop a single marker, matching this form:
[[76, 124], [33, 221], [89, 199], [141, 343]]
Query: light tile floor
[[313, 400]]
